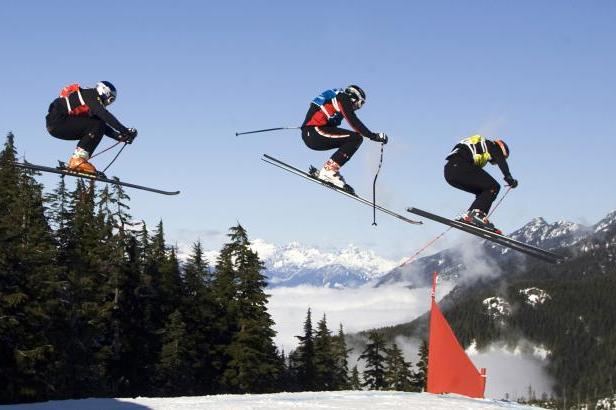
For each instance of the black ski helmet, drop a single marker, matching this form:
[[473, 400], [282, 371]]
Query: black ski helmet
[[106, 91], [358, 96]]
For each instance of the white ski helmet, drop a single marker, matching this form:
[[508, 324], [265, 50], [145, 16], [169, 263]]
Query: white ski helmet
[[106, 91], [358, 96]]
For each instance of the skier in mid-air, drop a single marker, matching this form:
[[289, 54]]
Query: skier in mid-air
[[464, 170], [81, 114], [321, 132]]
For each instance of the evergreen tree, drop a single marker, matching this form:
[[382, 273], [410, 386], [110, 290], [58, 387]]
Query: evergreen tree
[[254, 364], [304, 357], [355, 383], [29, 286], [175, 369], [170, 283], [374, 373], [420, 378], [59, 215], [87, 296], [201, 318], [398, 373], [341, 361], [324, 357]]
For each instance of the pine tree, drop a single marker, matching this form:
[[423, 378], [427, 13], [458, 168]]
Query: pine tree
[[174, 371], [420, 378], [304, 357], [253, 364], [30, 286], [355, 383], [398, 373], [324, 358], [170, 283], [374, 373], [203, 324], [59, 215], [87, 295], [133, 352], [341, 365]]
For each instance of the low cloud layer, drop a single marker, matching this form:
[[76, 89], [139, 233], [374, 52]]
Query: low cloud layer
[[357, 309], [512, 372]]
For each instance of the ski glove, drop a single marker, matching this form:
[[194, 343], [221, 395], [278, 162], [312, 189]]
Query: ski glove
[[512, 182], [380, 137], [130, 136]]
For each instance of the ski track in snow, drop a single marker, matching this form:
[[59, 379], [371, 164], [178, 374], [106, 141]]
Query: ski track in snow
[[351, 400]]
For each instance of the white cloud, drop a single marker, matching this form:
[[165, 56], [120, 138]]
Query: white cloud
[[357, 309], [512, 371]]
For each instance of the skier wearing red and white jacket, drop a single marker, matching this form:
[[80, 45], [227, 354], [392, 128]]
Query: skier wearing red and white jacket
[[321, 131], [81, 114]]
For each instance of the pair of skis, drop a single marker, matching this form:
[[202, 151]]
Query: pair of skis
[[99, 177], [502, 240]]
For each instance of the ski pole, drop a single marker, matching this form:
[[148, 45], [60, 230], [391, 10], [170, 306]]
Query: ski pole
[[114, 158], [374, 187], [267, 129], [499, 201]]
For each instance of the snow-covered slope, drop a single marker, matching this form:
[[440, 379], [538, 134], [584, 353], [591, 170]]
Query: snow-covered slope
[[348, 400]]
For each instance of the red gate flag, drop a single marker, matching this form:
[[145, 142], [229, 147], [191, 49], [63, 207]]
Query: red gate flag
[[449, 368]]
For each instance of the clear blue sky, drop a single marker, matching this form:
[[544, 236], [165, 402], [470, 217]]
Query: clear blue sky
[[540, 74]]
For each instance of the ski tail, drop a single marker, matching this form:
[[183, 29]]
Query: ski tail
[[293, 170], [99, 177], [494, 237]]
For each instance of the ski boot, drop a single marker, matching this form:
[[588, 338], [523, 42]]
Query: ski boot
[[331, 175], [78, 162], [479, 219]]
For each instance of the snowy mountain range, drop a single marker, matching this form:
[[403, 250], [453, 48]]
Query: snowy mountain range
[[451, 263], [296, 264]]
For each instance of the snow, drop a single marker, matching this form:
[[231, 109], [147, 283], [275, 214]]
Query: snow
[[297, 264], [604, 224], [294, 256], [497, 306], [558, 234], [352, 400], [535, 296]]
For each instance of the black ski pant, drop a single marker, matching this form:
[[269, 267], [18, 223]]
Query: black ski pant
[[88, 130], [326, 138], [471, 178]]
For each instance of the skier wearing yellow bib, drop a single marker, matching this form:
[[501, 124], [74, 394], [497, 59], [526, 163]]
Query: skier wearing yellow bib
[[464, 170]]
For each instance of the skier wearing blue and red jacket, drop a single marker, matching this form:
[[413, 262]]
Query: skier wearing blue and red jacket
[[81, 114], [321, 132]]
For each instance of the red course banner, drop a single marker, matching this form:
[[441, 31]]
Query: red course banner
[[449, 368]]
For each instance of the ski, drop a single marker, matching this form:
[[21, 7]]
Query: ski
[[61, 170], [289, 168], [502, 240]]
